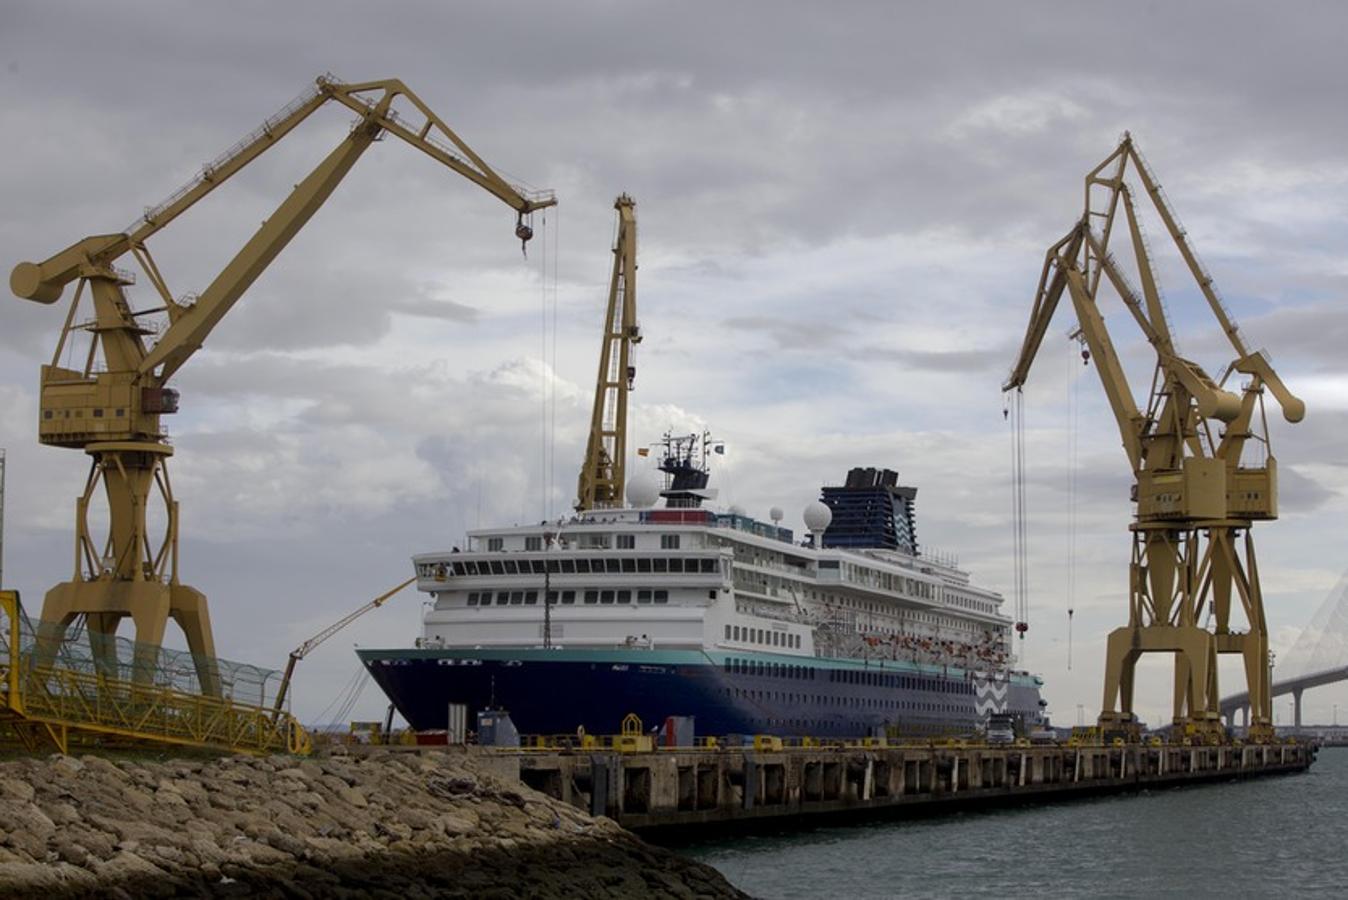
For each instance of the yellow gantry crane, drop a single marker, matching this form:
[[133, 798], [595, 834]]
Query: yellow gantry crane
[[1200, 454], [602, 474], [111, 406]]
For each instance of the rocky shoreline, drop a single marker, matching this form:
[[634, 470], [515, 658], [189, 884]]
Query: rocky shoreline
[[388, 824]]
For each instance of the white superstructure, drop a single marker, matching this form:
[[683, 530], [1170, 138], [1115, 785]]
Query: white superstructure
[[692, 578]]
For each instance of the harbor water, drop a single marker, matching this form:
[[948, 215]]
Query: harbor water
[[1266, 837]]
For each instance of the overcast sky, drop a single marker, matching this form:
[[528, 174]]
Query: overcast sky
[[843, 214]]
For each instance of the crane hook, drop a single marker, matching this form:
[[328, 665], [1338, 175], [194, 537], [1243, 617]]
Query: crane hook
[[524, 232]]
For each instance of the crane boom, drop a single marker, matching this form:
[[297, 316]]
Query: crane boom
[[1196, 497], [602, 475], [310, 645], [111, 408]]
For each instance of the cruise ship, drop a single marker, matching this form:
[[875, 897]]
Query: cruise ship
[[666, 607]]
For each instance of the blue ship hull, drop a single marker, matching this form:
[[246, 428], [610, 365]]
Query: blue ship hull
[[557, 691]]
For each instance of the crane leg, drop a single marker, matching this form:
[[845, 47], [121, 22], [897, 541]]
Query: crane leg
[[188, 607], [148, 606], [103, 642], [1120, 660]]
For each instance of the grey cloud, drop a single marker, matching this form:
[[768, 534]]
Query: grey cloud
[[772, 136], [965, 361], [789, 334]]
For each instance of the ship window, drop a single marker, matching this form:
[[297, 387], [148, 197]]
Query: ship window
[[711, 594], [458, 568], [533, 543], [669, 542], [690, 565], [737, 632], [502, 598], [583, 566], [660, 565], [531, 598], [775, 639], [568, 596], [627, 541], [629, 565], [644, 597], [568, 566], [596, 566], [708, 566], [516, 598], [552, 598], [662, 596], [606, 597], [643, 565], [511, 568], [495, 545], [614, 566], [676, 565], [472, 599], [624, 596], [470, 568], [727, 632], [497, 568], [591, 596]]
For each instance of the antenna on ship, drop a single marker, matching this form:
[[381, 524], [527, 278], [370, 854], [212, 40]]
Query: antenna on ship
[[684, 459]]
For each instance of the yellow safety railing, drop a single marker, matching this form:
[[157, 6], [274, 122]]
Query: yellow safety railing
[[52, 702]]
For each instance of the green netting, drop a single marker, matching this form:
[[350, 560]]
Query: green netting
[[118, 658]]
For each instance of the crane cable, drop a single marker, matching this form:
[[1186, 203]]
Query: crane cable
[[1073, 467], [340, 700], [1018, 527], [543, 486], [552, 424], [547, 355]]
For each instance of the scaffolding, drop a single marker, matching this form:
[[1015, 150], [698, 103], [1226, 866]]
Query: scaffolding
[[92, 689]]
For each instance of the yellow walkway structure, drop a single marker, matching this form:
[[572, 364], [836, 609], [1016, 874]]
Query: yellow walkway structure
[[59, 692]]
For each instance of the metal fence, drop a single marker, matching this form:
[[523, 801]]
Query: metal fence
[[87, 652]]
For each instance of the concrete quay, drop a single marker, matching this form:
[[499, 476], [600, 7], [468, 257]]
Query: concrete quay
[[699, 790]]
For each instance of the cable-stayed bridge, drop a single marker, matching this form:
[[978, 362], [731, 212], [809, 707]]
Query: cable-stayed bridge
[[1319, 657]]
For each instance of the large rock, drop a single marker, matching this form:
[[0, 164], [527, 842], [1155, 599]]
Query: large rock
[[392, 824]]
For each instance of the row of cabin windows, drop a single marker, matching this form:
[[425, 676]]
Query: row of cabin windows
[[566, 598], [852, 702], [903, 682], [625, 566], [624, 542], [843, 676], [773, 669], [764, 636]]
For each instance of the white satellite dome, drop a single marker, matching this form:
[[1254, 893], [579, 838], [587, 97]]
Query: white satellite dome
[[642, 491], [776, 514], [818, 516], [736, 509]]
